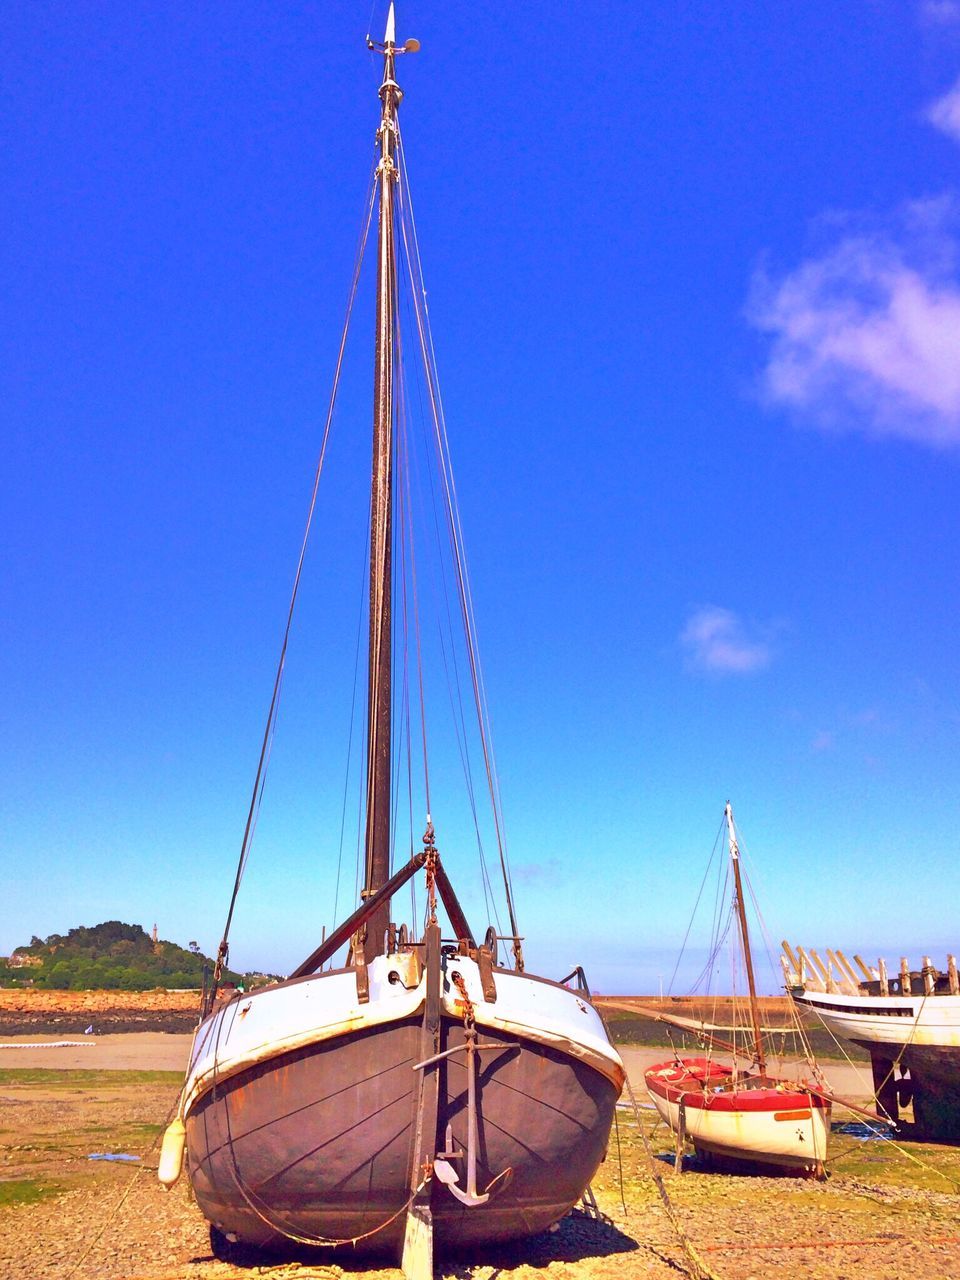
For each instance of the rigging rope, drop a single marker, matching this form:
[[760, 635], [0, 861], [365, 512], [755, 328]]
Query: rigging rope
[[410, 600], [458, 715], [416, 618], [428, 354], [686, 936], [353, 713], [441, 590], [258, 784]]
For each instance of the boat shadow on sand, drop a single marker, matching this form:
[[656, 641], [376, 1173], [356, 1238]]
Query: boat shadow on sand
[[726, 1168], [577, 1238]]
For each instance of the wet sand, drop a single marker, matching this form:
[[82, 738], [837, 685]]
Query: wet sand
[[133, 1051], [160, 1051]]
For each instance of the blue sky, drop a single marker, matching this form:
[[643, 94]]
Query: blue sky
[[695, 287]]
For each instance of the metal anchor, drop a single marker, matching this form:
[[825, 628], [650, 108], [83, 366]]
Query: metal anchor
[[442, 1168]]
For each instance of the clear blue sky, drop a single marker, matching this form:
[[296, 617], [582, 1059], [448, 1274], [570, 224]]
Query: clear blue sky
[[695, 284]]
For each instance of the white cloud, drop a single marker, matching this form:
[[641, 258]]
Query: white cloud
[[867, 333], [715, 639], [945, 112]]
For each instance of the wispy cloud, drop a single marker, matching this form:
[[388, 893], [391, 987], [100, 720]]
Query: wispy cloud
[[868, 724], [945, 112], [716, 639], [940, 13], [866, 334], [868, 718], [539, 873]]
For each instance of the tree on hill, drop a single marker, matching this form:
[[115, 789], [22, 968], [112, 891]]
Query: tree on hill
[[111, 955]]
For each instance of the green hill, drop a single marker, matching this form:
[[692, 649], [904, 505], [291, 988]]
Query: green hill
[[108, 956]]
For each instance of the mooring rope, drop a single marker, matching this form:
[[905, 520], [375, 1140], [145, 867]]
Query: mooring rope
[[699, 1268], [115, 1211]]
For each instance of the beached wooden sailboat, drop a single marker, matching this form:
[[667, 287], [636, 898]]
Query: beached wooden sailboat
[[738, 1116], [422, 1095]]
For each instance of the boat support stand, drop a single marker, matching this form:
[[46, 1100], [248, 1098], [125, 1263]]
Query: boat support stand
[[417, 1258]]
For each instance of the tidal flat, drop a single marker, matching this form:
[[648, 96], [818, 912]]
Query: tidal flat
[[886, 1209]]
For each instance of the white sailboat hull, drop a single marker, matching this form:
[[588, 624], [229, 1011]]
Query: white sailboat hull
[[914, 1047], [777, 1125], [764, 1137]]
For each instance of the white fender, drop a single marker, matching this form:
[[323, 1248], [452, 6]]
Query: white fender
[[171, 1152]]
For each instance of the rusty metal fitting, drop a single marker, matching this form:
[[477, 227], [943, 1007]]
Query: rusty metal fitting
[[468, 1009], [430, 867]]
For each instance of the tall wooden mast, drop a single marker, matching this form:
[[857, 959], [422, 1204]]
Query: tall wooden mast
[[758, 1054], [379, 737]]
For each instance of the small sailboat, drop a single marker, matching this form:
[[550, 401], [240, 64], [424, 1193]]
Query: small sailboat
[[422, 1094], [733, 1116]]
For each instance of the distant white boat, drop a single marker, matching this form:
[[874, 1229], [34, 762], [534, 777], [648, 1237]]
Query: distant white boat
[[909, 1022]]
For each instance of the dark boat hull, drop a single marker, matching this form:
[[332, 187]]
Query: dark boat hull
[[926, 1076], [317, 1145]]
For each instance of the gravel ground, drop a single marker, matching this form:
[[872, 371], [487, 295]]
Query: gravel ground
[[880, 1215]]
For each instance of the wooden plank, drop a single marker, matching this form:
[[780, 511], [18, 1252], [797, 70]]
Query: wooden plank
[[848, 979], [416, 1259], [868, 974], [791, 957], [810, 977], [825, 978]]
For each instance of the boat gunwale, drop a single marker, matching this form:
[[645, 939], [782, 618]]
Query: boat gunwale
[[198, 1085], [766, 1099], [311, 977]]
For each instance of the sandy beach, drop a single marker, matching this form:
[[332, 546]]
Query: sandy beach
[[138, 1051]]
